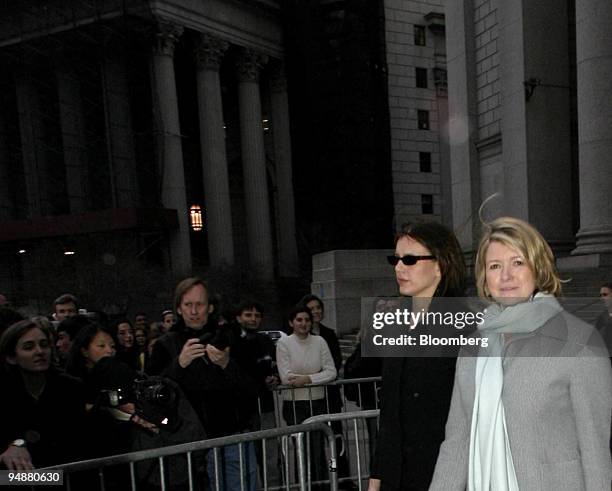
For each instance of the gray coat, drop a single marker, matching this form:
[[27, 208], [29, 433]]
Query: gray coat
[[557, 397]]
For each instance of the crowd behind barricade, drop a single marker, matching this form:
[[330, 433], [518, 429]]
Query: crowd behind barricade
[[83, 385]]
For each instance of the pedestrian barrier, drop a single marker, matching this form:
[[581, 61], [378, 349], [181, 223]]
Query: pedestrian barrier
[[335, 397], [357, 446], [111, 472]]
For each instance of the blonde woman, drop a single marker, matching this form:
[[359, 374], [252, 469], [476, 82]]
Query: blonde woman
[[533, 413]]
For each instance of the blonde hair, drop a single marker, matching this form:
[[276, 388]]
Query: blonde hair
[[525, 239]]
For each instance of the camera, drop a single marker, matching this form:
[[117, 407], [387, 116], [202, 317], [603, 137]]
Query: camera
[[219, 338], [156, 400]]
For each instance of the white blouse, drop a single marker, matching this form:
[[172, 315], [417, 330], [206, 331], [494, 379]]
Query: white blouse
[[310, 356]]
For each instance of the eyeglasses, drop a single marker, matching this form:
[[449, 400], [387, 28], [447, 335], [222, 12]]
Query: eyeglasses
[[407, 260]]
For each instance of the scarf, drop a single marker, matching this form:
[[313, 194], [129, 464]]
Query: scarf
[[490, 465]]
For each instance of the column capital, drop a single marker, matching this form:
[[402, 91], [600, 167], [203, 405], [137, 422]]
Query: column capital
[[278, 78], [249, 64], [165, 36], [209, 52]]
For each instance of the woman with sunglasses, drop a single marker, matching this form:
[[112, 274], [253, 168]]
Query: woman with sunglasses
[[416, 392]]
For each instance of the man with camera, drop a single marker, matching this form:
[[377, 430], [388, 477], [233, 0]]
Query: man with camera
[[197, 355]]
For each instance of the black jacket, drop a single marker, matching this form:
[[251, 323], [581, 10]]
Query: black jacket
[[53, 425], [415, 401], [221, 397], [256, 354]]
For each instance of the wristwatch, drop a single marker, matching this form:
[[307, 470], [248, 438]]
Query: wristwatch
[[20, 442]]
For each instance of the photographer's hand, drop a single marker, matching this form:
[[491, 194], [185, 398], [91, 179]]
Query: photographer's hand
[[17, 459], [191, 350], [131, 409], [218, 357]]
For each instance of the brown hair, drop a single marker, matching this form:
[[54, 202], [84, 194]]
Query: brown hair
[[10, 337], [444, 246], [186, 285]]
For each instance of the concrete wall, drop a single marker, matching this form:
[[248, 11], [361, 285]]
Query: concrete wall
[[342, 278]]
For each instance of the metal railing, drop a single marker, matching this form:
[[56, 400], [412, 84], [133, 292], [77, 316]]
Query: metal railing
[[81, 471], [355, 444]]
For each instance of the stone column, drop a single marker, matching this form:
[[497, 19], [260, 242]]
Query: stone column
[[34, 157], [169, 143], [73, 135], [119, 133], [259, 231], [462, 125], [536, 132], [217, 207], [594, 80], [287, 245]]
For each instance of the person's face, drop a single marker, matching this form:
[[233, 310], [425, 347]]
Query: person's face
[[63, 342], [168, 321], [316, 309], [65, 310], [250, 319], [301, 325], [606, 295], [33, 352], [508, 278], [140, 337], [101, 346], [420, 279], [194, 308], [140, 320], [125, 335]]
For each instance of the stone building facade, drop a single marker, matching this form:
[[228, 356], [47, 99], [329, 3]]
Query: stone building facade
[[530, 120], [418, 106], [117, 117]]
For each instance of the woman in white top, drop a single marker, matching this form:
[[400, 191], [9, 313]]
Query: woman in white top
[[304, 359]]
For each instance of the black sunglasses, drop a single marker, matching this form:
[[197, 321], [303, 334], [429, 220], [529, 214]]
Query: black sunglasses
[[407, 260]]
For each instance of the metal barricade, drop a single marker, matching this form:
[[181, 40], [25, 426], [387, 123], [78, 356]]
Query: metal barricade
[[358, 447], [78, 475], [334, 400]]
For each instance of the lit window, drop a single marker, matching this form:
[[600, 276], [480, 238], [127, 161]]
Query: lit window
[[195, 218]]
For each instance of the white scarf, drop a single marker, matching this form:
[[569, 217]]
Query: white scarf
[[491, 466]]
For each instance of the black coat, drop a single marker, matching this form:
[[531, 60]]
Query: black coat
[[256, 354], [53, 425], [415, 401], [220, 397]]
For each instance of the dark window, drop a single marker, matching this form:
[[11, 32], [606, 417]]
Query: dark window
[[425, 161], [419, 35], [421, 77], [427, 204], [423, 119]]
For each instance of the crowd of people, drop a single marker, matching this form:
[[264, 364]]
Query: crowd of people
[[533, 412], [221, 368]]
